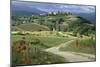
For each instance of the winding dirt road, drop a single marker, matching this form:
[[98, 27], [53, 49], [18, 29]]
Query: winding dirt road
[[70, 56]]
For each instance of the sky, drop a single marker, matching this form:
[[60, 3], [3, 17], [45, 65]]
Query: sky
[[52, 7]]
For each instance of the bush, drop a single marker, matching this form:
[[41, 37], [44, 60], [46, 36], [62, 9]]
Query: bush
[[35, 41]]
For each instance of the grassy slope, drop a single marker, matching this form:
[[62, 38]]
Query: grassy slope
[[36, 56], [46, 41], [82, 45], [39, 56], [30, 27], [15, 28]]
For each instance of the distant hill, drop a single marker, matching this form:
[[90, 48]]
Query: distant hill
[[89, 16], [54, 21], [22, 8], [25, 11]]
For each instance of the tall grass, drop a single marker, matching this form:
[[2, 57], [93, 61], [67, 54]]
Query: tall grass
[[44, 41], [24, 52], [81, 45]]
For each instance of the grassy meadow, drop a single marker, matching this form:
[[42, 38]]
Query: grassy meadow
[[86, 45], [30, 48]]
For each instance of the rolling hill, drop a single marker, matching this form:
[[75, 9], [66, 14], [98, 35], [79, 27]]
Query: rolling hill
[[55, 21], [22, 8], [30, 27]]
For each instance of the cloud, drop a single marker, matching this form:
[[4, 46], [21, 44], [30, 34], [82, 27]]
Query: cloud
[[49, 7]]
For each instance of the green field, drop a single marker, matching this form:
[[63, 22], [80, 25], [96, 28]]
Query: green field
[[30, 27], [36, 46], [33, 35], [45, 42], [86, 45], [35, 56]]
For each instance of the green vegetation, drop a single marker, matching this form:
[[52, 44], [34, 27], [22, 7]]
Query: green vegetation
[[44, 42], [31, 52], [31, 35], [30, 27], [55, 21], [35, 57], [81, 45]]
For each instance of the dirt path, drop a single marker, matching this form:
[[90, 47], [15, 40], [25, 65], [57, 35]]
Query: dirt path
[[71, 56]]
